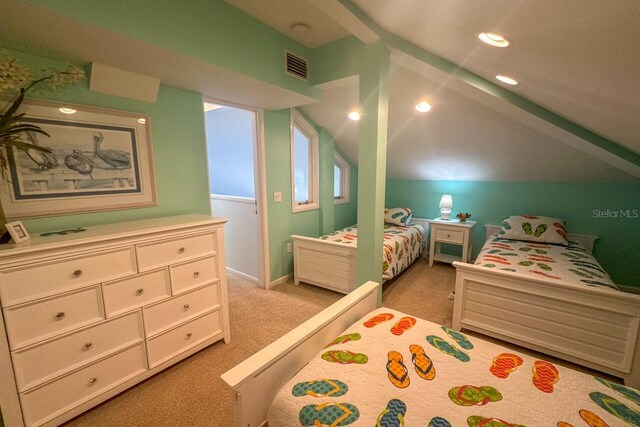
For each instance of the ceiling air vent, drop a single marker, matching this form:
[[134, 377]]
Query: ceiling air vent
[[295, 66]]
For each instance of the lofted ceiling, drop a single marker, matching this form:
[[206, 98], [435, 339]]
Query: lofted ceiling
[[468, 135], [577, 58]]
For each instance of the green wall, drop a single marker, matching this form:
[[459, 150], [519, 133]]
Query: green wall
[[209, 30], [282, 221], [489, 202], [346, 214], [179, 151]]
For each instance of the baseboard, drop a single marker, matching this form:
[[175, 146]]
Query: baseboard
[[630, 289], [243, 275], [280, 281]]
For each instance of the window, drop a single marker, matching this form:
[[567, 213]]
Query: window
[[304, 164], [341, 180]]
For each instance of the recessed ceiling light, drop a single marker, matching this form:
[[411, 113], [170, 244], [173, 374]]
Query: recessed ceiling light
[[493, 39], [354, 115], [66, 110], [142, 120], [423, 107], [507, 80]]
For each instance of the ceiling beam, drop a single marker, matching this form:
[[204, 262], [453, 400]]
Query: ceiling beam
[[610, 150], [347, 20]]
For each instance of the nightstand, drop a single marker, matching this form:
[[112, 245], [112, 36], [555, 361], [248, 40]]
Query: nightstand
[[451, 232]]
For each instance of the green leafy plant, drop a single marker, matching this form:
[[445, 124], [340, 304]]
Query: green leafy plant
[[16, 80]]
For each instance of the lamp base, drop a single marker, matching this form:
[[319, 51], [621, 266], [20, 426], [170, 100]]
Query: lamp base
[[445, 214]]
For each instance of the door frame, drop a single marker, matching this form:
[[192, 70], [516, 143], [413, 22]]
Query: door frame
[[260, 185]]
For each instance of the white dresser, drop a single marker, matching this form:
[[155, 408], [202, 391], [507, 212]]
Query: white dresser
[[87, 315]]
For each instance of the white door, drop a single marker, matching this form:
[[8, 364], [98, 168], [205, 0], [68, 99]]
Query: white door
[[234, 183]]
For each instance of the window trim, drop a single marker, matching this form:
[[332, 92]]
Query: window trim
[[346, 181], [297, 120]]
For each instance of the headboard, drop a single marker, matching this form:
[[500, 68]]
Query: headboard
[[585, 240]]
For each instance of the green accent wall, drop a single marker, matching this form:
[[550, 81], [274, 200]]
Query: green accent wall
[[587, 208], [282, 221], [209, 30], [179, 151]]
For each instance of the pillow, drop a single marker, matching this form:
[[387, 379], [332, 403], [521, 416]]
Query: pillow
[[398, 216], [540, 229]]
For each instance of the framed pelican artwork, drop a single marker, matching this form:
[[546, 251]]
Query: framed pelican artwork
[[97, 160]]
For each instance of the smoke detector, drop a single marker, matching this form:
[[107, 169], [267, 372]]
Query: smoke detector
[[300, 28]]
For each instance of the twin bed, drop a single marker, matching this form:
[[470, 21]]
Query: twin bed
[[385, 368], [553, 299], [330, 261]]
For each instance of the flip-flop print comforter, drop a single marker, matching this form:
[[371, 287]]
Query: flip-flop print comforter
[[390, 369], [572, 264], [402, 245]]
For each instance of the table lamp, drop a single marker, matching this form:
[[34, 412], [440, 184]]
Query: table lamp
[[446, 204]]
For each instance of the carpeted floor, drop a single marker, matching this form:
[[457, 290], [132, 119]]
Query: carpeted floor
[[191, 393]]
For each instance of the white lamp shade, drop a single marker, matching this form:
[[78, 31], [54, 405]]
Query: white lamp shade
[[446, 202]]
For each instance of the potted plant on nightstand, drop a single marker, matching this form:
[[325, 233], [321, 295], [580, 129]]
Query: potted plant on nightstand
[[463, 217]]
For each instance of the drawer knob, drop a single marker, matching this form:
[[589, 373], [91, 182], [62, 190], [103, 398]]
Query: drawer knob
[[92, 380], [60, 315], [139, 291], [186, 307], [88, 345], [196, 274], [448, 235], [77, 273], [189, 335], [181, 250]]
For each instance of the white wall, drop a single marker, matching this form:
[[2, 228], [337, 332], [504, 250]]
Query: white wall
[[240, 234]]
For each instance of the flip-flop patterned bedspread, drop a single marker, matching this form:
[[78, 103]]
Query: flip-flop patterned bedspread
[[572, 264], [390, 370], [402, 245]]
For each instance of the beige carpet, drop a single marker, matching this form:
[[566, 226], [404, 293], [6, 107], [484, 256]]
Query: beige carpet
[[191, 393]]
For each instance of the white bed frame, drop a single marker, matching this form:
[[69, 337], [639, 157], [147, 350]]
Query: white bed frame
[[332, 265], [595, 327], [257, 380]]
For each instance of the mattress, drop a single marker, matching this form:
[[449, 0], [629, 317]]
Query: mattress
[[567, 264], [402, 245], [390, 369]]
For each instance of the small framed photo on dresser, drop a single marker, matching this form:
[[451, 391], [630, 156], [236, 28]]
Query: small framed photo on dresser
[[18, 231]]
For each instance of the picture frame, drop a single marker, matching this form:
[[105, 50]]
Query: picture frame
[[18, 231], [100, 160]]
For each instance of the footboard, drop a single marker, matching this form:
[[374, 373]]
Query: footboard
[[590, 326], [326, 264], [258, 379]]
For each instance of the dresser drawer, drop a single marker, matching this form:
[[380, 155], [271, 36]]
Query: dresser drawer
[[127, 294], [61, 395], [173, 342], [43, 279], [192, 274], [35, 321], [154, 255], [449, 235], [166, 314], [42, 362]]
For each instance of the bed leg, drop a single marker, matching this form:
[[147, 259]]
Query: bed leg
[[296, 281], [457, 302], [632, 380]]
